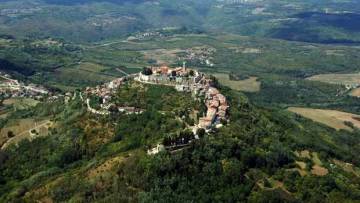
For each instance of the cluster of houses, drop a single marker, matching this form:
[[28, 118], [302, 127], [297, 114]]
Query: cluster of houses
[[105, 93], [146, 35], [201, 86], [16, 12], [217, 108], [13, 88], [182, 79], [200, 55]]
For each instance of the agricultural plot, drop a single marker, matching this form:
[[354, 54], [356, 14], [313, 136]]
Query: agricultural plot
[[81, 75], [248, 85], [5, 43], [19, 129], [332, 118], [162, 56], [12, 104], [343, 79], [355, 92], [3, 114], [20, 103], [92, 67]]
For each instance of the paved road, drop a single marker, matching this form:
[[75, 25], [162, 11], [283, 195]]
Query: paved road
[[106, 44], [121, 71]]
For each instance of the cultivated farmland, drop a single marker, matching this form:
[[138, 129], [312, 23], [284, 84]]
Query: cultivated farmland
[[331, 118], [248, 85], [343, 79]]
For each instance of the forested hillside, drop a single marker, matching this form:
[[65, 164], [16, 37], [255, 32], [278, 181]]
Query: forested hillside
[[289, 71], [262, 155]]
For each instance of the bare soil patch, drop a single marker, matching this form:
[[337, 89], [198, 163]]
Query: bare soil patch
[[355, 92], [319, 170], [303, 154]]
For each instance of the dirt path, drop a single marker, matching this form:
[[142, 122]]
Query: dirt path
[[23, 135]]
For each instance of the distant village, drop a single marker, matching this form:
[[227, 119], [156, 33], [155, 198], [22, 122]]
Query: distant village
[[202, 55], [13, 88]]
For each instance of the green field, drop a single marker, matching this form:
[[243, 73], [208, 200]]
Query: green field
[[247, 85], [20, 103]]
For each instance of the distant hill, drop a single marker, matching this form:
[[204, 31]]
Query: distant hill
[[74, 2], [90, 20], [321, 27]]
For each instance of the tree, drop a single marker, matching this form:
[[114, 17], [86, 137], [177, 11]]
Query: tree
[[350, 124], [200, 132], [113, 109], [214, 81], [3, 157], [146, 71], [191, 73], [10, 134], [173, 73], [223, 121]]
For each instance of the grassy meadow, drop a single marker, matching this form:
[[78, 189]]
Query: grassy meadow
[[247, 85]]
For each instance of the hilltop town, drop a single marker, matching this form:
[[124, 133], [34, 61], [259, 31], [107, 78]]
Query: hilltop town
[[200, 85]]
